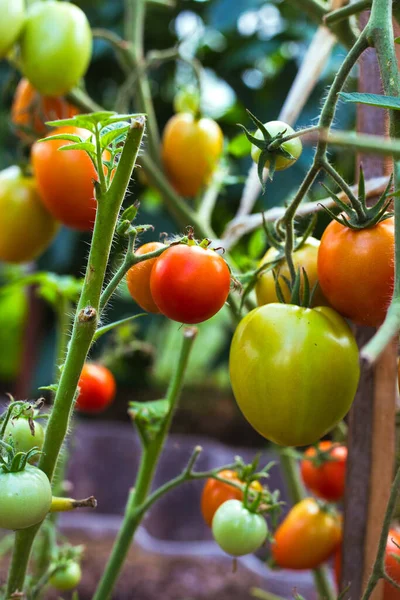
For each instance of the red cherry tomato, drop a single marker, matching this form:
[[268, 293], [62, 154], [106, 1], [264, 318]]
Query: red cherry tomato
[[65, 180], [392, 565], [96, 388], [326, 481], [190, 284]]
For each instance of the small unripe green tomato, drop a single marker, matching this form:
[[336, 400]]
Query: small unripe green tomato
[[20, 432], [66, 578], [237, 530], [294, 146]]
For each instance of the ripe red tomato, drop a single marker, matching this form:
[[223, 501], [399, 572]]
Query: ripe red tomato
[[190, 284], [307, 537], [27, 228], [216, 493], [392, 565], [96, 388], [65, 180], [30, 110], [138, 278], [356, 270], [191, 149], [326, 481]]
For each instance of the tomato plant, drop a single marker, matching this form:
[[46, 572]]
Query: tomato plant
[[294, 146], [191, 149], [25, 498], [326, 479], [391, 561], [138, 278], [294, 371], [307, 537], [216, 493], [27, 227], [356, 270], [56, 46], [11, 25], [237, 530], [66, 577], [65, 180], [30, 110], [189, 284], [25, 435], [96, 388], [305, 257]]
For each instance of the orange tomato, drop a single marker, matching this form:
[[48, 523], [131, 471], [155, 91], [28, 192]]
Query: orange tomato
[[65, 180], [356, 270], [30, 110], [327, 480], [307, 537], [191, 149], [138, 278], [96, 388], [216, 493]]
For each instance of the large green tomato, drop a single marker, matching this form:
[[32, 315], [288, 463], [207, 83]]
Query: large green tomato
[[294, 146], [237, 530], [25, 498], [56, 46], [11, 23], [294, 371]]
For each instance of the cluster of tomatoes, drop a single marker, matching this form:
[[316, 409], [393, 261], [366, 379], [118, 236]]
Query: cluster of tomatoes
[[309, 535]]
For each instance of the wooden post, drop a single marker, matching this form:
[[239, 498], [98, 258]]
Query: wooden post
[[372, 418]]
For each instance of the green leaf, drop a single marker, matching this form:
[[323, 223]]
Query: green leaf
[[239, 146], [115, 132], [397, 40], [102, 330], [85, 146], [69, 137], [390, 102], [257, 243]]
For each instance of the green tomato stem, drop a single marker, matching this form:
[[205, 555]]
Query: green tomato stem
[[150, 455], [85, 324], [346, 11], [299, 133]]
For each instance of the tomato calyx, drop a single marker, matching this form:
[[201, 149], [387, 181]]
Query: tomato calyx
[[357, 215], [269, 151], [321, 456]]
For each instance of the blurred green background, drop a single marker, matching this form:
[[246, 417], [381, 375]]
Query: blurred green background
[[250, 50]]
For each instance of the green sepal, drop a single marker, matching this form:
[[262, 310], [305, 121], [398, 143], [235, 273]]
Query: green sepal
[[149, 417]]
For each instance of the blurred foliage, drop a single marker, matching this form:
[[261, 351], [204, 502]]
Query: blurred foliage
[[250, 51]]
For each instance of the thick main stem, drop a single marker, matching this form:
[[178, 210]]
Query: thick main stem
[[84, 328], [148, 464]]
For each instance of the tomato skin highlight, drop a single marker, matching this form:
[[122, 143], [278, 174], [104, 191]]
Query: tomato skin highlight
[[306, 257], [307, 537], [65, 180], [27, 227], [11, 24], [216, 493], [328, 480], [138, 278], [294, 146], [237, 530], [25, 498], [97, 388], [66, 578], [31, 110], [20, 433], [189, 284], [191, 149], [56, 47], [294, 371], [356, 270]]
